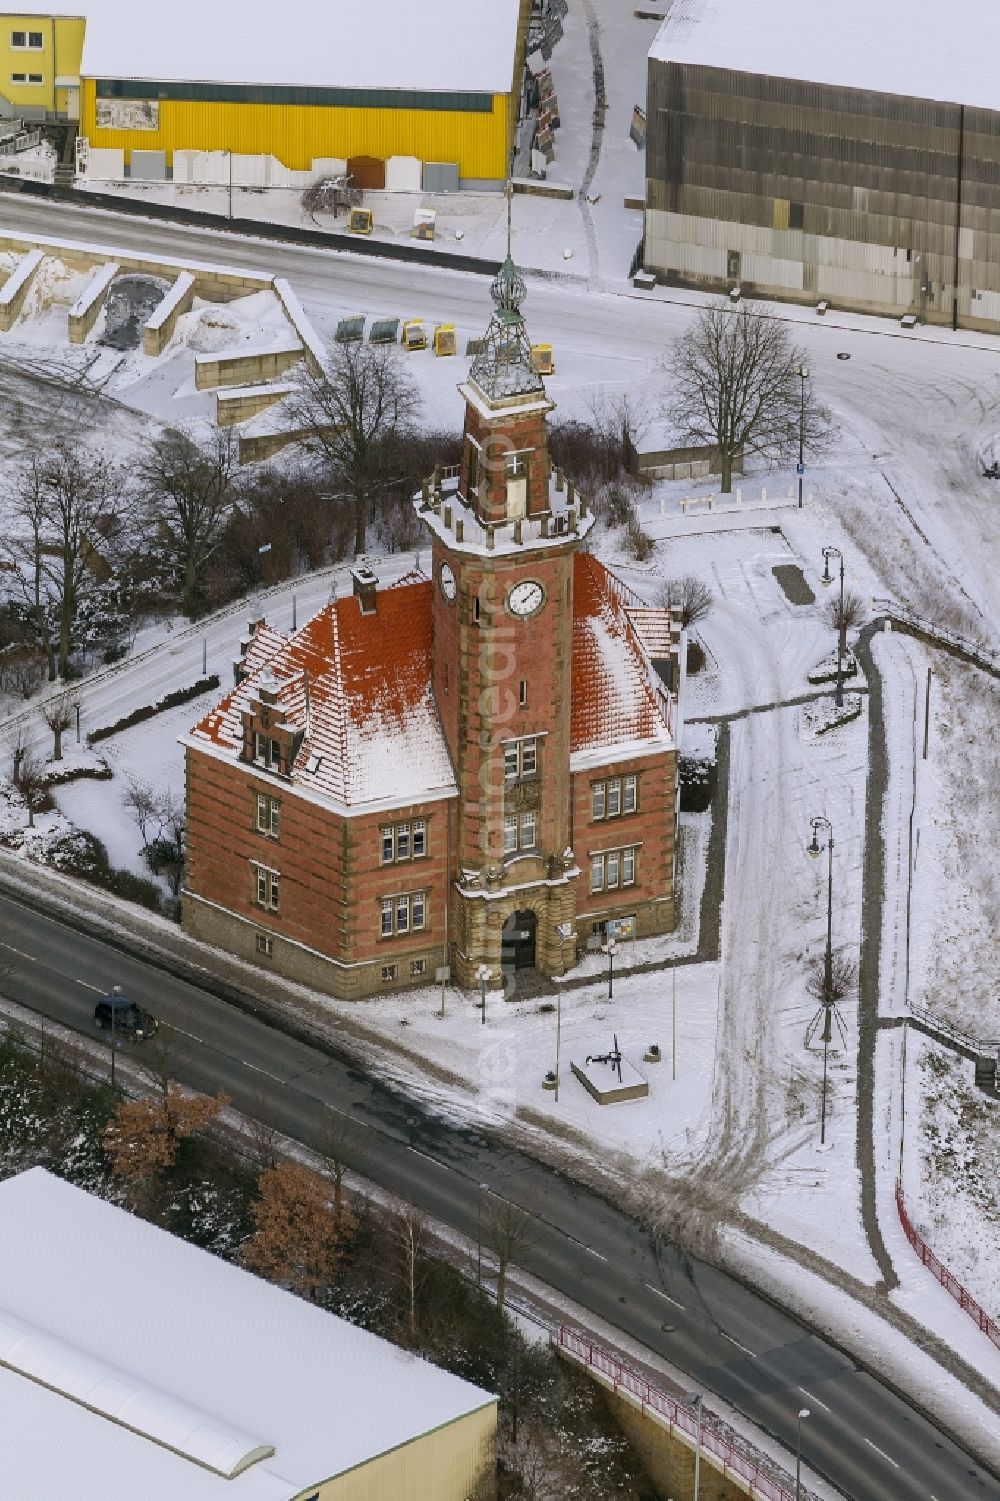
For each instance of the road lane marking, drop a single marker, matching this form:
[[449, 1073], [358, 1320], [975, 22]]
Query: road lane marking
[[661, 1294], [258, 1070], [101, 989], [733, 1341], [815, 1399], [882, 1452], [425, 1155], [591, 1252], [20, 952]]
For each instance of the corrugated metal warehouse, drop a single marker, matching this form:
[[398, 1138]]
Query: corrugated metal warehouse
[[313, 80], [830, 150]]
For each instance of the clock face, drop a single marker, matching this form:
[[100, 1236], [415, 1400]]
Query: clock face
[[526, 598], [448, 586]]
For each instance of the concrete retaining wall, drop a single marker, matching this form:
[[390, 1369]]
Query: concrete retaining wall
[[17, 286], [242, 402], [296, 316], [215, 283], [237, 367], [158, 332], [87, 308]]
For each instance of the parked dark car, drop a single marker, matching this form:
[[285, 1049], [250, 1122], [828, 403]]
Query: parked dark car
[[131, 1022]]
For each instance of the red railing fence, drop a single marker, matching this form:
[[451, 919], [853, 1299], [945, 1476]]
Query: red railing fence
[[734, 1461], [964, 1299]]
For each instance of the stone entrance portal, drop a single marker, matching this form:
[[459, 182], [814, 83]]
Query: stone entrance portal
[[517, 941]]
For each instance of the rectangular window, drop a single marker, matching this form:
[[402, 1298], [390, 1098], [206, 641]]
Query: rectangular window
[[628, 867], [402, 841], [517, 465], [599, 800], [473, 468], [419, 838], [419, 905], [34, 77], [268, 888], [630, 791], [614, 798], [267, 751], [511, 761], [475, 609], [529, 757], [19, 39], [417, 967], [388, 973], [35, 40], [268, 815], [597, 873], [529, 825], [387, 919], [402, 914], [510, 833], [522, 694], [611, 865], [19, 78], [265, 945], [388, 845]]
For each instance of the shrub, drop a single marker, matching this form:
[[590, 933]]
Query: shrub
[[697, 783], [638, 543], [149, 711], [695, 658]]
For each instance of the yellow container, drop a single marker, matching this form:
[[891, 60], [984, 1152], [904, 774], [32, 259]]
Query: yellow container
[[445, 339]]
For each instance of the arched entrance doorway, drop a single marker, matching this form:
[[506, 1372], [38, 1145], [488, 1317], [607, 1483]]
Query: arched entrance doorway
[[517, 941]]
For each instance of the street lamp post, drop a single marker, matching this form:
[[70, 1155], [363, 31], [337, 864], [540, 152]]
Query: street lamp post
[[816, 849], [558, 1035], [828, 553], [611, 949], [803, 1413], [803, 377], [483, 1188], [482, 975], [697, 1401]]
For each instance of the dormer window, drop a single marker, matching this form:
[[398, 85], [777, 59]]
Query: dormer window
[[267, 751]]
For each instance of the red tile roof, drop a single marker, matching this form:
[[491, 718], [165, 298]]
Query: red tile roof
[[360, 687], [618, 700], [371, 719]]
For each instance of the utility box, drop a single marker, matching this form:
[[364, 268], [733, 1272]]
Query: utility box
[[542, 359], [414, 334], [445, 339], [360, 221]]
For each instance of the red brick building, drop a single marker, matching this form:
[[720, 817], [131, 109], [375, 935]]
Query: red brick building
[[478, 768]]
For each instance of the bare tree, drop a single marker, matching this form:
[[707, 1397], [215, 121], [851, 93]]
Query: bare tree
[[689, 598], [18, 742], [338, 1145], [843, 979], [507, 1230], [357, 413], [847, 615], [58, 714], [193, 489], [409, 1230], [621, 419], [736, 387], [31, 783], [69, 506], [141, 800]]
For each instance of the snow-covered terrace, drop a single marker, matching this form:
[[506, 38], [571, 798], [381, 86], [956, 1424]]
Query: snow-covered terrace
[[452, 519]]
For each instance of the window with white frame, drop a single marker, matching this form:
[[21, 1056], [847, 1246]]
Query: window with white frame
[[26, 78], [406, 913], [389, 972], [31, 41], [520, 832], [613, 869], [520, 759], [268, 815], [267, 887], [403, 841], [265, 945], [614, 797], [267, 751], [417, 967]]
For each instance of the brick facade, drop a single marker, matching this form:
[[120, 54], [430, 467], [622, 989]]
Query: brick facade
[[414, 779]]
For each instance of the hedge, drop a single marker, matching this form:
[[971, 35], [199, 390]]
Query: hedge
[[150, 711]]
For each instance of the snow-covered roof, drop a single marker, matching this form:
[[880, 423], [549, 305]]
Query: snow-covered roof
[[619, 703], [351, 44], [892, 47], [116, 1338], [371, 729]]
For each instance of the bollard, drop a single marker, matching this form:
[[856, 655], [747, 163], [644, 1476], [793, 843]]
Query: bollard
[[739, 496]]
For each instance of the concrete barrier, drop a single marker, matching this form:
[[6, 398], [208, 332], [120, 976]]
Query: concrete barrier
[[295, 313], [87, 308], [159, 330], [245, 367], [17, 286], [240, 403]]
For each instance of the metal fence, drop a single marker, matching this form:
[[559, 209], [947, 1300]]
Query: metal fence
[[947, 1280], [909, 620], [738, 1463]]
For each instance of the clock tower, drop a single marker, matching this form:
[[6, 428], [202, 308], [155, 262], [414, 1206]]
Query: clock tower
[[505, 528]]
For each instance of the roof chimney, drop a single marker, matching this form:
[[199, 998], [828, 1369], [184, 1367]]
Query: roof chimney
[[365, 585]]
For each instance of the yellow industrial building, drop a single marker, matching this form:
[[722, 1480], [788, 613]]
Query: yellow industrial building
[[312, 81]]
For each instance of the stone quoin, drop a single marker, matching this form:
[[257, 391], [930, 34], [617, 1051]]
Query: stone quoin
[[476, 768]]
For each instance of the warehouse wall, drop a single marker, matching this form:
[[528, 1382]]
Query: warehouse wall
[[807, 191], [295, 133], [453, 1463], [62, 48]]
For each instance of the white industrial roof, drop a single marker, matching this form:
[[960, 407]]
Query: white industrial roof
[[905, 47], [357, 44], [133, 1364]]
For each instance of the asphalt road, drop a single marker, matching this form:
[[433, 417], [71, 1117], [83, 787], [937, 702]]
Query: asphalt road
[[730, 1341]]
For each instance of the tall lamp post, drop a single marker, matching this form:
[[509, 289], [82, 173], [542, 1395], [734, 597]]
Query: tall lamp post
[[611, 949], [803, 377], [803, 1413], [816, 849], [828, 553], [697, 1401], [482, 975]]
